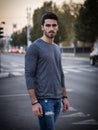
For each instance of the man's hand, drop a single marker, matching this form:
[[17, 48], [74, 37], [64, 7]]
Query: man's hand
[[37, 109], [66, 105]]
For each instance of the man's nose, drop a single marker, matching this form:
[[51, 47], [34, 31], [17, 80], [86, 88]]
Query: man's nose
[[51, 27]]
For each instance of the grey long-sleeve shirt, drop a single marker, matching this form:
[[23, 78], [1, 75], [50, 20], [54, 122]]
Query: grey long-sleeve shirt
[[43, 69]]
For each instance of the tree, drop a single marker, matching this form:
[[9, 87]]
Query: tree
[[70, 12], [66, 14], [86, 27], [15, 38], [19, 38]]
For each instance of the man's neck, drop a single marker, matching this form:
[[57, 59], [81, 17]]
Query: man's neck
[[48, 40]]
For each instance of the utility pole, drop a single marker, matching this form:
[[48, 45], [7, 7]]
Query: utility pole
[[28, 25], [14, 27]]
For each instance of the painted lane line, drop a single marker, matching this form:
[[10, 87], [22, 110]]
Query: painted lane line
[[16, 73], [90, 122], [72, 109], [87, 69], [65, 72], [69, 90], [13, 95], [74, 70], [77, 114]]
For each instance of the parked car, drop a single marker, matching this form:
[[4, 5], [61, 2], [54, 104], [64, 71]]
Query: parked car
[[94, 54], [21, 51], [13, 50], [16, 50]]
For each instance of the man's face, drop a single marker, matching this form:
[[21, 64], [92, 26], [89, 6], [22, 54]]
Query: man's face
[[50, 28]]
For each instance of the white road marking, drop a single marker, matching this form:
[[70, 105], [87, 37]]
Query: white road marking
[[14, 64], [65, 71], [69, 90], [74, 70], [78, 69], [76, 66], [87, 69], [90, 122], [19, 69], [13, 95], [16, 73], [77, 114], [72, 109]]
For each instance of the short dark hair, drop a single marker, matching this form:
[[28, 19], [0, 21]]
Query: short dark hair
[[49, 15]]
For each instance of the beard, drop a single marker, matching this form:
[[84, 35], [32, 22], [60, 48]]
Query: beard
[[50, 34]]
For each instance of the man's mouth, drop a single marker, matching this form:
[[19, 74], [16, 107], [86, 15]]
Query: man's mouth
[[51, 32]]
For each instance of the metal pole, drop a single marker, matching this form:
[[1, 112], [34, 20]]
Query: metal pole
[[0, 50], [0, 61], [28, 25]]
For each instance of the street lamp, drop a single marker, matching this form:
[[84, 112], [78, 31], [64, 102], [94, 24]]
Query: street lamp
[[1, 37]]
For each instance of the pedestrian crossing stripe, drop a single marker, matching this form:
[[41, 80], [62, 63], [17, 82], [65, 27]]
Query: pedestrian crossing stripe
[[16, 73], [80, 114], [18, 70], [74, 70], [69, 90], [72, 109], [17, 64], [77, 114], [87, 69], [65, 71], [88, 122], [67, 68], [79, 70]]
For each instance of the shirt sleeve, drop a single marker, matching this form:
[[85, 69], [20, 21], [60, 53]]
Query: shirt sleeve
[[62, 79], [62, 76], [31, 59]]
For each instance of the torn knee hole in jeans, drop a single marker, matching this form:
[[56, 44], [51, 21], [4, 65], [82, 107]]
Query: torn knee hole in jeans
[[49, 113]]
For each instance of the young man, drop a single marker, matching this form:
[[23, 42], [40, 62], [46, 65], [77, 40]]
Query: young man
[[44, 75]]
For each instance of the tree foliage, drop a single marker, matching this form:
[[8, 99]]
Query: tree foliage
[[67, 14], [36, 31], [86, 27], [19, 38]]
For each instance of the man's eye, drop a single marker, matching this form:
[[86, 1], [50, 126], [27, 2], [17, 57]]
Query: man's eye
[[54, 25], [49, 25]]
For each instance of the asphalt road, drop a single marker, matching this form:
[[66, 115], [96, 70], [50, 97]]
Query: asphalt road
[[82, 87]]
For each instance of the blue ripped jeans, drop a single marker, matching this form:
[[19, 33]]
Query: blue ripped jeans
[[51, 110]]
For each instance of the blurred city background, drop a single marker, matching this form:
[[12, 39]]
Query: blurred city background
[[20, 25]]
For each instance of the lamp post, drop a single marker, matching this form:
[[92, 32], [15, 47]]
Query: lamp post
[[0, 38]]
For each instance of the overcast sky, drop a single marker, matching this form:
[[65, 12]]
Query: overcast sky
[[14, 11]]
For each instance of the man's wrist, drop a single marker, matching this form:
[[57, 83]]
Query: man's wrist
[[35, 102], [64, 97]]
